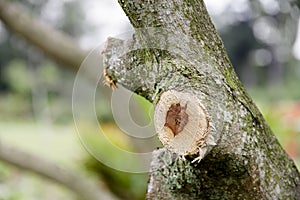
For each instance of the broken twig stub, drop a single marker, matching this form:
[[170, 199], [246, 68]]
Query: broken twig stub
[[182, 123]]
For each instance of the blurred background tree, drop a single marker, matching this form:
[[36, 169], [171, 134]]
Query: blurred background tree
[[36, 90]]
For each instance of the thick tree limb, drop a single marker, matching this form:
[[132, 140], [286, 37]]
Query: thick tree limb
[[75, 182], [56, 44], [187, 55]]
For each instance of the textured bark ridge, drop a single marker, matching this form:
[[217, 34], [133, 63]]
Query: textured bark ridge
[[184, 53]]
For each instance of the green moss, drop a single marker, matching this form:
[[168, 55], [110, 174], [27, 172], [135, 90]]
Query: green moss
[[225, 173]]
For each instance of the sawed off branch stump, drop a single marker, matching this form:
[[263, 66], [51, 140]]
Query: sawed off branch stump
[[217, 143]]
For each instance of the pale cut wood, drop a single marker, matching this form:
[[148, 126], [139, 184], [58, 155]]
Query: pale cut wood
[[185, 111], [248, 161]]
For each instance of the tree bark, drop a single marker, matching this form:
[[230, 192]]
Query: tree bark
[[54, 43], [77, 183], [187, 55]]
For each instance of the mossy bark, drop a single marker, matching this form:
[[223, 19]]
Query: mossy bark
[[184, 53]]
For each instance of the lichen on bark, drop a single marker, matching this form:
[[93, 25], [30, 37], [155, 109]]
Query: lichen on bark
[[184, 53]]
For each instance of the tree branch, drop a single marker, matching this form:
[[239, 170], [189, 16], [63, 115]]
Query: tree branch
[[185, 54], [77, 183], [54, 43]]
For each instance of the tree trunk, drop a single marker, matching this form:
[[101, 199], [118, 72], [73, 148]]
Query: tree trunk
[[184, 53]]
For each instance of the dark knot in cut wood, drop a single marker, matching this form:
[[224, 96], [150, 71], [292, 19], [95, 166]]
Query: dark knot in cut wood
[[177, 118]]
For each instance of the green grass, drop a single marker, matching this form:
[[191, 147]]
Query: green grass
[[58, 144]]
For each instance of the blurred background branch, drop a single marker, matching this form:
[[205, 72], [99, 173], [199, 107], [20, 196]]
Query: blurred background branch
[[56, 44], [79, 184], [44, 89]]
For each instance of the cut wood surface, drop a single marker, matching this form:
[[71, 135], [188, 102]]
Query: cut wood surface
[[184, 53]]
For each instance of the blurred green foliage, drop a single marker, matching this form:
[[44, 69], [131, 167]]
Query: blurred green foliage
[[283, 116], [123, 184], [18, 77], [55, 143]]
